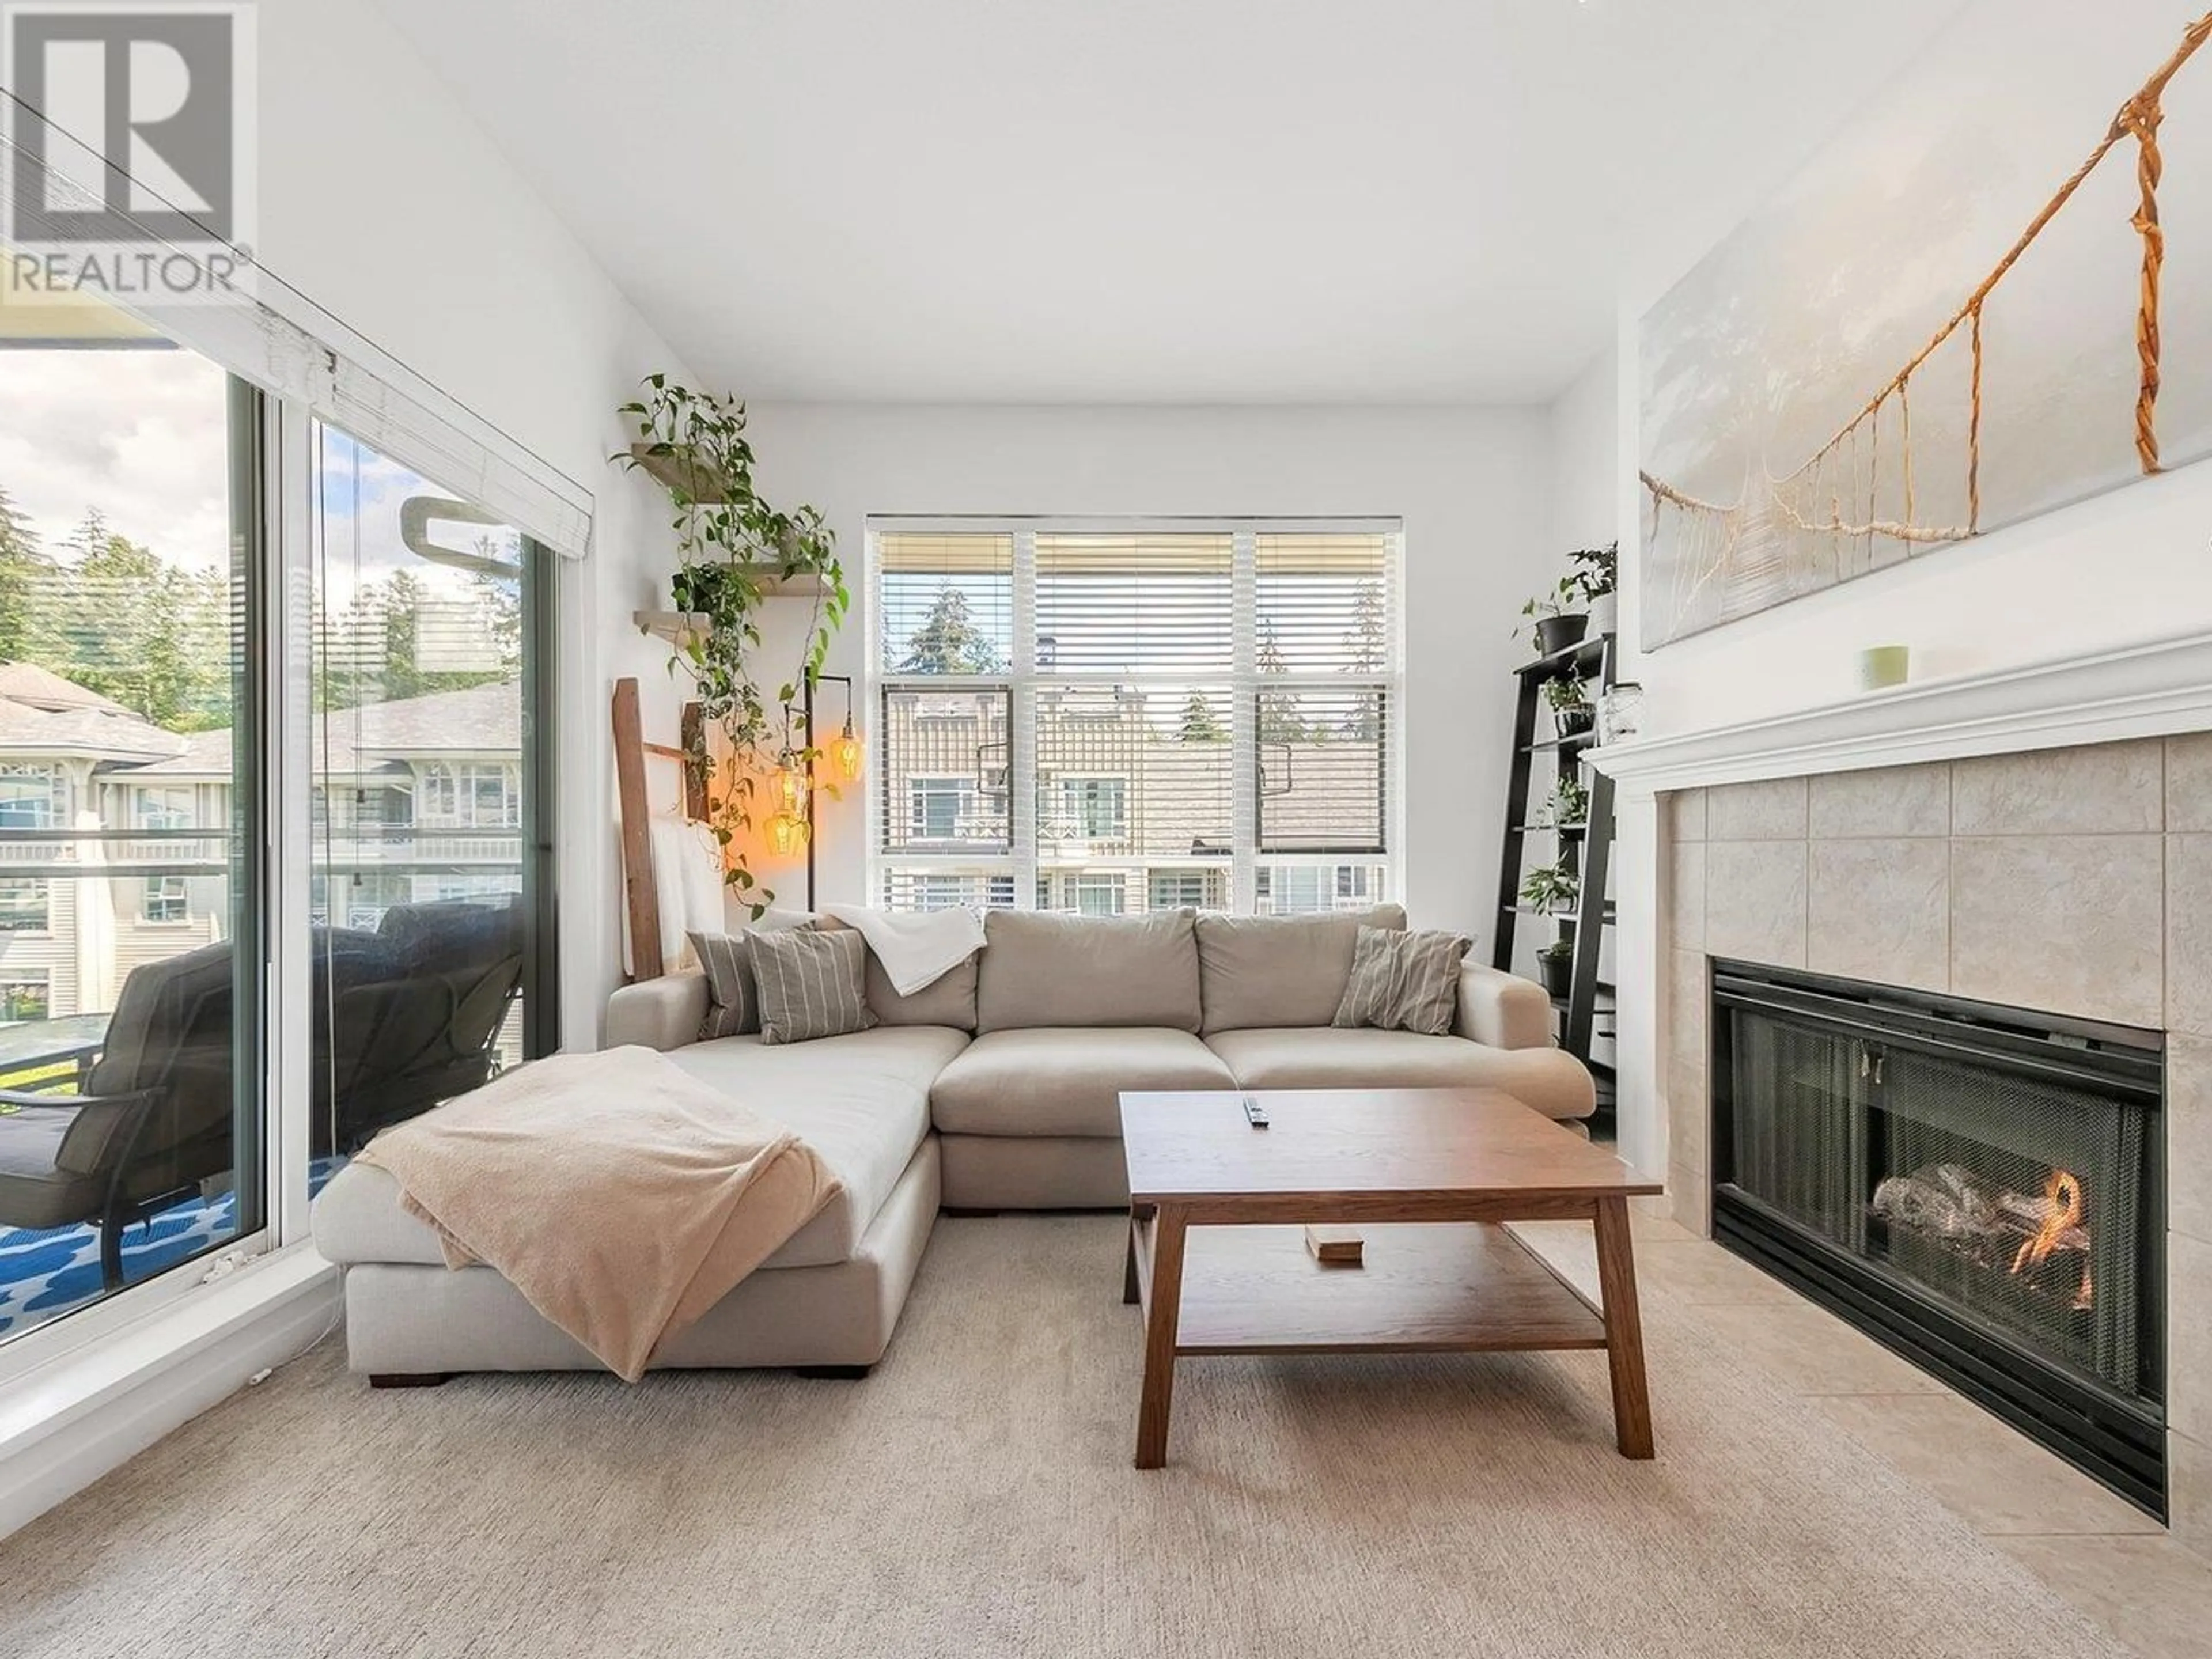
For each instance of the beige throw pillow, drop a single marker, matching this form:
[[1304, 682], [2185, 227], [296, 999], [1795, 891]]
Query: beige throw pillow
[[732, 1005], [1403, 982]]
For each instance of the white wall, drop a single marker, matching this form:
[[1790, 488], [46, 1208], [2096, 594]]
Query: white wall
[[1584, 423], [381, 201], [1469, 483]]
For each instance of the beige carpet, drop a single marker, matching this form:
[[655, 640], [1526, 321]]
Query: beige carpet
[[974, 1498]]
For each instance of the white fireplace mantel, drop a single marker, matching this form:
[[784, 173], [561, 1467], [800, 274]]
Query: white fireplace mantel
[[2141, 691]]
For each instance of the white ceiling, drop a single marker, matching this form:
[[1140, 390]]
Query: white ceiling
[[1097, 201]]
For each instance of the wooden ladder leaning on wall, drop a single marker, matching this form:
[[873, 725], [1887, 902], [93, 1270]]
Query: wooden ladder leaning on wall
[[640, 889]]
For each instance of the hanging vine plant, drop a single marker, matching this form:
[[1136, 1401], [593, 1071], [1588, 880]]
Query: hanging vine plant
[[733, 551]]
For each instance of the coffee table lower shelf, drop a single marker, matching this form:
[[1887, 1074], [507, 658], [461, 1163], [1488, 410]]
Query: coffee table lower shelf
[[1427, 1287]]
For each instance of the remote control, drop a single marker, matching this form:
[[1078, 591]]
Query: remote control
[[1255, 1112]]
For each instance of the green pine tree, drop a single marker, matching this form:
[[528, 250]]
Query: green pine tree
[[948, 641], [1366, 653], [149, 636], [1280, 722], [1365, 642], [24, 571], [1200, 723]]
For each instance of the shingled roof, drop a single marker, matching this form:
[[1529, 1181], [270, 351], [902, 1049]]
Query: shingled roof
[[483, 720], [43, 713]]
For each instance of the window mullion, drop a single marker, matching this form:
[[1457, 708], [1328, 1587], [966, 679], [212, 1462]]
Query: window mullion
[[1244, 725], [287, 755], [1021, 760]]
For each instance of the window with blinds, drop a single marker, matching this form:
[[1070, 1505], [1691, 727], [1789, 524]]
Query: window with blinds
[[1106, 719]]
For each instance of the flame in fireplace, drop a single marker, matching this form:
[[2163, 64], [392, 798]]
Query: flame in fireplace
[[2061, 1228]]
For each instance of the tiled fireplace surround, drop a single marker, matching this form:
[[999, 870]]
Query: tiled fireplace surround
[[2070, 880]]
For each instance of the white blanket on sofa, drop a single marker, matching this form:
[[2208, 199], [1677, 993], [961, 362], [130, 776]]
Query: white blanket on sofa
[[916, 948], [619, 1194]]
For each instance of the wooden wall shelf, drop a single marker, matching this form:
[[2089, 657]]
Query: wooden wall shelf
[[677, 471], [678, 626]]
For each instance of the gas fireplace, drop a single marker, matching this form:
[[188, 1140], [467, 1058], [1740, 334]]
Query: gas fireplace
[[1978, 1187]]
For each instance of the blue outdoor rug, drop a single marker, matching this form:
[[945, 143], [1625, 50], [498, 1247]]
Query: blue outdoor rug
[[44, 1274]]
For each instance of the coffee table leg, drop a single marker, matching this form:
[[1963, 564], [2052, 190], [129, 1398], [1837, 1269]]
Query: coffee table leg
[[1623, 1329], [1132, 1292], [1160, 1338]]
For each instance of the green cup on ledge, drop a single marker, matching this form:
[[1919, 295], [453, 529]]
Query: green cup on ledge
[[1881, 666]]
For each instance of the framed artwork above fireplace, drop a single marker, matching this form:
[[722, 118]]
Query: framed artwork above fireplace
[[1962, 313]]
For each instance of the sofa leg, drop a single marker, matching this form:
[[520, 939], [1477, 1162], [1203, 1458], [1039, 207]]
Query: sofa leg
[[833, 1373], [409, 1379]]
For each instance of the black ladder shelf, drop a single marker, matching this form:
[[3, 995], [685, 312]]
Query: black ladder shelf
[[1586, 1013]]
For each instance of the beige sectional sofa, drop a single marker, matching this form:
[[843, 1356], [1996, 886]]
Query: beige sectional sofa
[[995, 1088]]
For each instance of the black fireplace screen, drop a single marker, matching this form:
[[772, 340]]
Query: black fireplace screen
[[1980, 1188], [2018, 1201]]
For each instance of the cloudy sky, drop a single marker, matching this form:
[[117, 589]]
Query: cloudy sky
[[141, 435]]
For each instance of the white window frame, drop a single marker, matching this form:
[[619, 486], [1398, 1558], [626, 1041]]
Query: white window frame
[[55, 801], [922, 788], [44, 926], [1111, 884], [1182, 879], [1076, 812], [453, 790], [148, 815], [41, 978], [1244, 682], [159, 896]]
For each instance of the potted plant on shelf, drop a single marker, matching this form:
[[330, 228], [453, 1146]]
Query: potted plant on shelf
[[1570, 706], [733, 551], [1570, 807], [1558, 623], [1555, 967], [1551, 890], [1594, 577]]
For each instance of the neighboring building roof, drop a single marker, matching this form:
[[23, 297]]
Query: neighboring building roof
[[43, 713], [483, 720], [201, 754], [41, 688]]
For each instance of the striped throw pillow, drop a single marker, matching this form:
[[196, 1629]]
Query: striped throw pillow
[[1403, 982], [810, 984], [733, 1004]]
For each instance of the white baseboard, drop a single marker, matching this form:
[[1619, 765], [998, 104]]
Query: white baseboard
[[90, 1411]]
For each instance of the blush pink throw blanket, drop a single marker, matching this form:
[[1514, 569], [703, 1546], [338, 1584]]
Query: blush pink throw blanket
[[621, 1195]]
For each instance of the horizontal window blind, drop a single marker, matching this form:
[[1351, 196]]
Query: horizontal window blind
[[1134, 604], [1108, 719], [1323, 603]]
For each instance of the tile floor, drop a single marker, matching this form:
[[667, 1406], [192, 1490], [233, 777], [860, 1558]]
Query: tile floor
[[2109, 1559]]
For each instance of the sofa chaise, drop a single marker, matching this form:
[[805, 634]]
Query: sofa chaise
[[995, 1088]]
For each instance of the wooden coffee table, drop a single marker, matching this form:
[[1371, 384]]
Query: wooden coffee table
[[1427, 1176]]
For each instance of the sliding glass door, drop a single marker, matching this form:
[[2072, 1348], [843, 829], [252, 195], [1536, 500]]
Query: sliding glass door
[[426, 892], [131, 927], [164, 953]]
